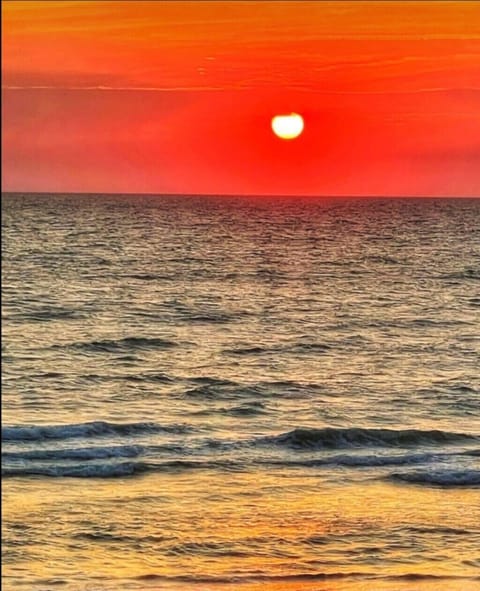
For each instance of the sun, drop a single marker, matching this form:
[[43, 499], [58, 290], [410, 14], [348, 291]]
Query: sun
[[287, 127]]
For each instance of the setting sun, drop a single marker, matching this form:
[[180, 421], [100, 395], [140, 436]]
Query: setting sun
[[287, 127]]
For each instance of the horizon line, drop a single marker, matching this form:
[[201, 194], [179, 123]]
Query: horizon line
[[240, 195]]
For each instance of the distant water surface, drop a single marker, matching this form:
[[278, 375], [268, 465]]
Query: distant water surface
[[246, 392]]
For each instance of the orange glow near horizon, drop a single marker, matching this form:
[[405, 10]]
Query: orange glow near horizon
[[178, 97]]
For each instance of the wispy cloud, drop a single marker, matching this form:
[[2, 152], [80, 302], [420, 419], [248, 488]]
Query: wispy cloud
[[246, 86], [119, 88]]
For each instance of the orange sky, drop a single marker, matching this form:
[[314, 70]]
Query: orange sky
[[177, 97]]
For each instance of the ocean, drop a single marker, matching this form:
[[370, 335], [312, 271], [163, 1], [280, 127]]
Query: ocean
[[212, 393]]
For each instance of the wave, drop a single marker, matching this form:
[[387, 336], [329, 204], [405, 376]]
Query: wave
[[440, 530], [92, 454], [212, 579], [469, 273], [116, 469], [250, 350], [108, 536], [290, 348], [90, 429], [77, 470], [226, 391], [125, 344], [439, 477], [81, 453], [215, 389], [472, 452], [308, 438], [48, 314], [242, 410], [333, 438], [149, 277], [104, 452], [308, 576], [154, 377], [213, 317], [363, 461], [211, 381], [246, 410]]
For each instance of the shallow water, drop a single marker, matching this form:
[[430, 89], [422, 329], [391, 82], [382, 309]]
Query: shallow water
[[273, 393]]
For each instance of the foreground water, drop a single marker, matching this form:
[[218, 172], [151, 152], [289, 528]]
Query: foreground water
[[223, 393]]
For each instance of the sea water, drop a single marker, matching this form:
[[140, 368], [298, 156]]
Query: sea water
[[230, 392]]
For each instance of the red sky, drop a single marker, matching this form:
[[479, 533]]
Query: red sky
[[177, 97]]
